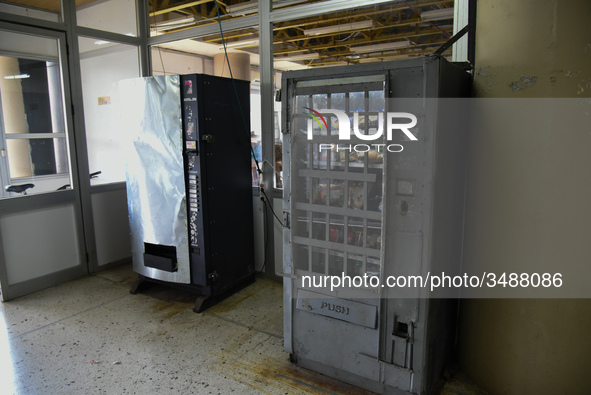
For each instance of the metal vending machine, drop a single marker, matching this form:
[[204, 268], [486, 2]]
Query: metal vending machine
[[189, 183], [373, 201]]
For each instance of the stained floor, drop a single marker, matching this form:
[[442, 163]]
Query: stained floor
[[91, 336]]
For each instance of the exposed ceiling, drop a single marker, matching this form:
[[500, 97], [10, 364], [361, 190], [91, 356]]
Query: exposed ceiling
[[394, 30]]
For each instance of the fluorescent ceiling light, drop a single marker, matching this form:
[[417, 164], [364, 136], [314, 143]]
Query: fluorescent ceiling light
[[329, 63], [441, 26], [242, 44], [16, 77], [279, 4], [381, 47], [174, 21], [436, 15], [305, 56], [101, 42], [383, 58], [243, 6], [344, 27], [249, 7], [173, 24]]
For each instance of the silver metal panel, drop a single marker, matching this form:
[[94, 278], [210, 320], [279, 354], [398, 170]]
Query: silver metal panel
[[342, 345], [414, 335], [329, 174], [342, 309], [267, 117], [398, 377], [288, 287], [340, 81], [155, 172], [369, 68]]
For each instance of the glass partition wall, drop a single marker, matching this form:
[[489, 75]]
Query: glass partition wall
[[109, 40], [60, 62]]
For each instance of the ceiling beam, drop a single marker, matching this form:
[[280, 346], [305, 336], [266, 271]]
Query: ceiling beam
[[178, 7], [392, 9], [360, 13], [365, 58], [362, 41], [216, 38], [389, 37]]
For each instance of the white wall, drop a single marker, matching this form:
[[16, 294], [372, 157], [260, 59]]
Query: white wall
[[101, 73], [170, 62], [117, 16]]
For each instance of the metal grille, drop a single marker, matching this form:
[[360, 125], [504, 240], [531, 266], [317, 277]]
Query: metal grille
[[337, 185]]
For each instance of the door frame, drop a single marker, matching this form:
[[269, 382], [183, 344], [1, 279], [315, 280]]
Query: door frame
[[73, 197]]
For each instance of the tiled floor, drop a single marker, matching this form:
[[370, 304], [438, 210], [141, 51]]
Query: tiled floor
[[92, 336]]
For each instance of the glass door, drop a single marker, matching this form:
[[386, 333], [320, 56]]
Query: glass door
[[337, 184], [41, 239]]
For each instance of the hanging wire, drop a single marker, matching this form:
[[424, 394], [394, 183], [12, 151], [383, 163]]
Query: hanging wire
[[265, 199], [246, 128]]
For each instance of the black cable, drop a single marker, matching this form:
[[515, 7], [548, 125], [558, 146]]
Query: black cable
[[268, 201], [247, 129], [266, 239], [159, 49]]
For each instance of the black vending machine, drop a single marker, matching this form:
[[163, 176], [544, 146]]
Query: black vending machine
[[189, 183]]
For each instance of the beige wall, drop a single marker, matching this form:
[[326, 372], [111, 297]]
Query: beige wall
[[15, 121], [239, 62], [529, 198]]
